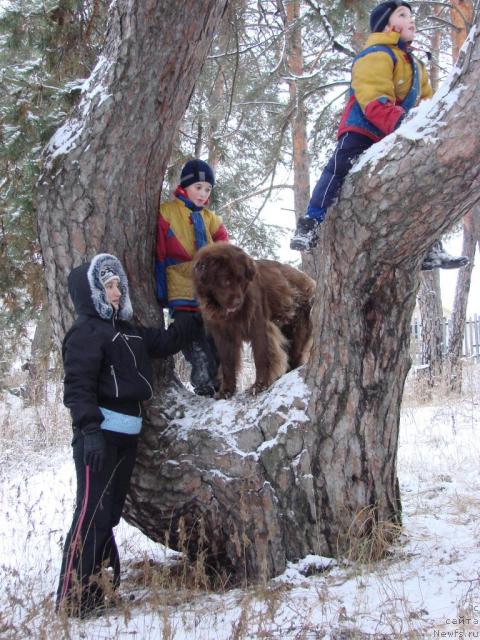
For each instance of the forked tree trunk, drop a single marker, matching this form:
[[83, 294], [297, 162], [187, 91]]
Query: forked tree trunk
[[303, 467]]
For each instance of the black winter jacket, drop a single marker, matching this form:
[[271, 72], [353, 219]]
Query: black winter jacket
[[107, 360]]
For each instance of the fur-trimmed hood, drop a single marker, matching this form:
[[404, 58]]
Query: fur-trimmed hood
[[88, 293]]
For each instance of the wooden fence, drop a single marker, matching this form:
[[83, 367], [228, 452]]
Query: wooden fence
[[471, 338]]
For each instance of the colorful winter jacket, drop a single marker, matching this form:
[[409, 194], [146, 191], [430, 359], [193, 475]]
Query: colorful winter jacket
[[105, 358], [387, 81], [175, 249]]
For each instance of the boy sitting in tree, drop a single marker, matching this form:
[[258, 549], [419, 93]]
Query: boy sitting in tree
[[387, 81]]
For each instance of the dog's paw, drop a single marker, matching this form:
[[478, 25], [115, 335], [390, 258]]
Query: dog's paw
[[223, 395], [257, 388]]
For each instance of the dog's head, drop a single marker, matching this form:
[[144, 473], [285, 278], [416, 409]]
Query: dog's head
[[222, 274]]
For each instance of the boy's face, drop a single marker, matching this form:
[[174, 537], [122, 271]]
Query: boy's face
[[401, 21], [199, 192]]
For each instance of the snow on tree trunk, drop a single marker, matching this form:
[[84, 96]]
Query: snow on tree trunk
[[305, 467]]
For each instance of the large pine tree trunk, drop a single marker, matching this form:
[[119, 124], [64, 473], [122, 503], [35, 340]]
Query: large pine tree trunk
[[304, 467]]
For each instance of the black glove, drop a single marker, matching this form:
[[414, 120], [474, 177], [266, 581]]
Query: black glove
[[197, 317], [94, 449], [189, 324]]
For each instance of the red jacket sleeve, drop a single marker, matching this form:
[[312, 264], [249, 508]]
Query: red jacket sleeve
[[384, 115], [220, 234]]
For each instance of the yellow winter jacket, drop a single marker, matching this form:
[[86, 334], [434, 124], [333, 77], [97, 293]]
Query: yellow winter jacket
[[175, 249], [381, 80], [372, 76]]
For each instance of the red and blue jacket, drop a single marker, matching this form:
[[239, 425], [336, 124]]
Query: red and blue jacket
[[387, 81], [182, 229]]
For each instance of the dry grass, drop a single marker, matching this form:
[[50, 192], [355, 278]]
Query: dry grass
[[369, 539], [420, 390], [29, 430]]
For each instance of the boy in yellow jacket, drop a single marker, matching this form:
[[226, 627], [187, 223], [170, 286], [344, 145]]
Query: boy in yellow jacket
[[184, 225], [387, 81]]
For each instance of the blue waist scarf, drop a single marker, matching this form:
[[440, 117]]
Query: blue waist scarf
[[120, 422]]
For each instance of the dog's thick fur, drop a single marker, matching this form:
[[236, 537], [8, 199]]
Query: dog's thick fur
[[262, 302]]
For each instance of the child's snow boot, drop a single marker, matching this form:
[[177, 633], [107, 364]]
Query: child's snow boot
[[305, 237]]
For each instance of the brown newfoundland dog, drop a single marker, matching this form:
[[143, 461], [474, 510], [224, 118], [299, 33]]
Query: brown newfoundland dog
[[262, 302]]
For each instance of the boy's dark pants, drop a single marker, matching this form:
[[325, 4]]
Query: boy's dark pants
[[203, 357], [90, 543], [350, 145]]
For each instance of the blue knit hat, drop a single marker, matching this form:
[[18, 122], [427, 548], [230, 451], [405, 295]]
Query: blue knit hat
[[196, 171], [380, 16]]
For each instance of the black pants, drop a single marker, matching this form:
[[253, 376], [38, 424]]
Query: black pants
[[349, 147], [90, 543], [203, 357]]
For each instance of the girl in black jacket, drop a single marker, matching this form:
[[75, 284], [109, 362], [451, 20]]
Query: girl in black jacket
[[107, 375]]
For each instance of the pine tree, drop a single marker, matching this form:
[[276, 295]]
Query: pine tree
[[46, 49]]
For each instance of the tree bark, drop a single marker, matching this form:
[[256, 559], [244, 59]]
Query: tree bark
[[461, 14], [294, 59], [430, 294], [431, 311], [305, 467], [471, 235]]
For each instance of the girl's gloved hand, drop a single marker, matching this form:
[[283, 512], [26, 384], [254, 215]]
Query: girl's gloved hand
[[94, 450]]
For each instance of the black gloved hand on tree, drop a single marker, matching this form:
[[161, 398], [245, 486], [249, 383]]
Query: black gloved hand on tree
[[190, 324]]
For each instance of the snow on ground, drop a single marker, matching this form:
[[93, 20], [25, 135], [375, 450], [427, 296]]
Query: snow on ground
[[429, 587]]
